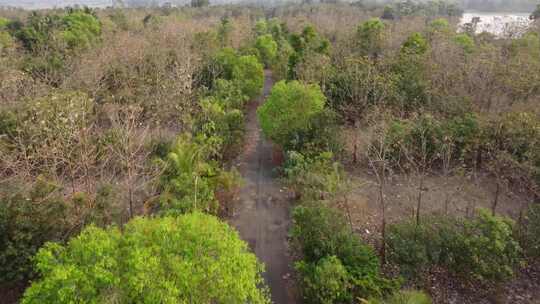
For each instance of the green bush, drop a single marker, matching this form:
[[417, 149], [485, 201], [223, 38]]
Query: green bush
[[268, 49], [289, 110], [226, 127], [320, 232], [405, 297], [165, 260], [531, 235], [325, 282], [27, 221], [81, 29], [188, 181], [370, 36], [248, 75], [314, 178], [482, 248], [466, 42]]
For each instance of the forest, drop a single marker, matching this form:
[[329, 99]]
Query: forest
[[318, 153]]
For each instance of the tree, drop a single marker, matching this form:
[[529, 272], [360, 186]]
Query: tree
[[268, 48], [370, 35], [289, 109], [193, 258]]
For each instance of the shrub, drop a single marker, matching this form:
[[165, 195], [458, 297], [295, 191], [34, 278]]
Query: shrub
[[325, 282], [531, 235], [27, 221], [405, 297], [314, 178], [466, 42], [162, 260], [226, 127], [248, 75], [289, 110], [482, 248], [188, 181], [370, 35], [268, 49], [320, 232], [81, 29]]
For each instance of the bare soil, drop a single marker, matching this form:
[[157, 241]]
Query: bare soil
[[262, 213]]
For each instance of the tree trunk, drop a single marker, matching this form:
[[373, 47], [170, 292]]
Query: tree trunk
[[383, 224], [496, 199], [419, 201]]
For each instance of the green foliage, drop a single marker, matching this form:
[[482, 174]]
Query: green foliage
[[245, 72], [165, 260], [416, 44], [531, 238], [304, 45], [289, 110], [482, 248], [325, 282], [370, 35], [319, 233], [248, 73], [27, 221], [189, 179], [268, 49], [405, 297], [314, 178], [226, 126], [4, 23], [465, 42], [81, 29]]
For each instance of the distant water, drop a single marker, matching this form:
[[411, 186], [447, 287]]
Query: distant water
[[498, 24]]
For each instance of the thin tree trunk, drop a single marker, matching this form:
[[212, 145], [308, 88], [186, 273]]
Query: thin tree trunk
[[419, 201], [383, 228], [496, 199]]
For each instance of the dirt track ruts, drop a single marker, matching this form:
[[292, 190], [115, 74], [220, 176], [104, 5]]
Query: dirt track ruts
[[262, 213]]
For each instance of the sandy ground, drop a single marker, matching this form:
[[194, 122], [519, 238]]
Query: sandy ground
[[262, 213]]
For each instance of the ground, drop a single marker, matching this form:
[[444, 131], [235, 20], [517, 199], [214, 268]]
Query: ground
[[262, 213], [456, 195]]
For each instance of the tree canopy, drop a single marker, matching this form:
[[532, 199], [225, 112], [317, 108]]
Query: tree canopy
[[289, 109], [193, 258]]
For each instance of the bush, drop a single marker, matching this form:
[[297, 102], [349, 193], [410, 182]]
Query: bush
[[370, 35], [405, 297], [482, 248], [325, 282], [268, 49], [320, 232], [81, 29], [166, 260], [531, 237], [248, 75], [289, 110], [27, 221], [188, 181], [314, 178]]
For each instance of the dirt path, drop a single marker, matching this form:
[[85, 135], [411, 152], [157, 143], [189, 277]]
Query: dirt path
[[262, 215]]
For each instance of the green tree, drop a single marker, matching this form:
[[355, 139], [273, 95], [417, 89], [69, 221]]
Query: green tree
[[81, 29], [289, 110], [248, 75], [268, 48], [370, 35], [27, 221], [326, 282], [193, 258]]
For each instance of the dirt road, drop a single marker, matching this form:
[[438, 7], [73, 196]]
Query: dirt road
[[262, 214]]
